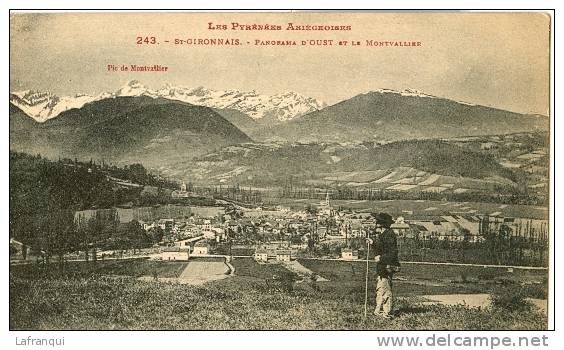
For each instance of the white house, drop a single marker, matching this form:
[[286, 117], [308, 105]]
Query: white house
[[18, 250], [147, 226], [201, 248], [400, 227], [283, 255], [207, 226], [261, 255], [175, 253], [349, 254], [219, 233], [209, 234]]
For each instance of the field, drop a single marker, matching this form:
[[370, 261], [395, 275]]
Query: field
[[423, 207], [202, 271], [80, 269], [422, 279], [249, 268], [259, 296]]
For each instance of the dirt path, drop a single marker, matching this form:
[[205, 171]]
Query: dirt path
[[197, 273]]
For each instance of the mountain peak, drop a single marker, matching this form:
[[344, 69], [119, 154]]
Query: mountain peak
[[21, 94], [133, 82], [416, 93], [132, 88], [284, 106], [41, 105], [404, 92]]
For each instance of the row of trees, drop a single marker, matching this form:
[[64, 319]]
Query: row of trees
[[496, 247], [246, 194], [496, 195], [495, 250], [52, 236]]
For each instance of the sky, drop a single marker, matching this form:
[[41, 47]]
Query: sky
[[493, 59]]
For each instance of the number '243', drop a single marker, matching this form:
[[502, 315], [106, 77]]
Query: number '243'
[[146, 40]]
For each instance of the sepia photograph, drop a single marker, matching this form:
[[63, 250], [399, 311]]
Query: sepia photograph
[[280, 170]]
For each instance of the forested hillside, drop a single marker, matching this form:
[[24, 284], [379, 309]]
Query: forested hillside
[[41, 189]]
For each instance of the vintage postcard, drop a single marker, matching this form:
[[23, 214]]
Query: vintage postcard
[[275, 171]]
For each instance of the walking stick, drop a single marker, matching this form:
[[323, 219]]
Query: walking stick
[[366, 280]]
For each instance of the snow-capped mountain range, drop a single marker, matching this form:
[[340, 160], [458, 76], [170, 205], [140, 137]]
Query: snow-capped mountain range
[[283, 107], [42, 106]]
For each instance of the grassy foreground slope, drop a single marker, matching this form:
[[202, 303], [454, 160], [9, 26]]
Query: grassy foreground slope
[[235, 303], [251, 300]]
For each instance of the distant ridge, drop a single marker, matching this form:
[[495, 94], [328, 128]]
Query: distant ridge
[[393, 115], [127, 129]]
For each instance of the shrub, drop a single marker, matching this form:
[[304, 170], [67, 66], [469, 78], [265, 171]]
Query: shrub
[[487, 275], [280, 283], [510, 299], [463, 277], [536, 291]]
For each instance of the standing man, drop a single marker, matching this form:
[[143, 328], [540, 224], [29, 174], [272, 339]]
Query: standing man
[[387, 263]]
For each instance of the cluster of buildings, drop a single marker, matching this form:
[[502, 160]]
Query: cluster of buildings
[[182, 250], [328, 224], [196, 230], [183, 228], [264, 254], [182, 193], [474, 228]]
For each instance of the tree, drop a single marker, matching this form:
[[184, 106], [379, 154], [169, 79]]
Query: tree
[[156, 234], [310, 209], [138, 172], [505, 242], [13, 250], [96, 234], [55, 234], [465, 242], [137, 236], [311, 244]]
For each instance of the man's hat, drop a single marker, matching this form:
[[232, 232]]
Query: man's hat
[[385, 220]]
